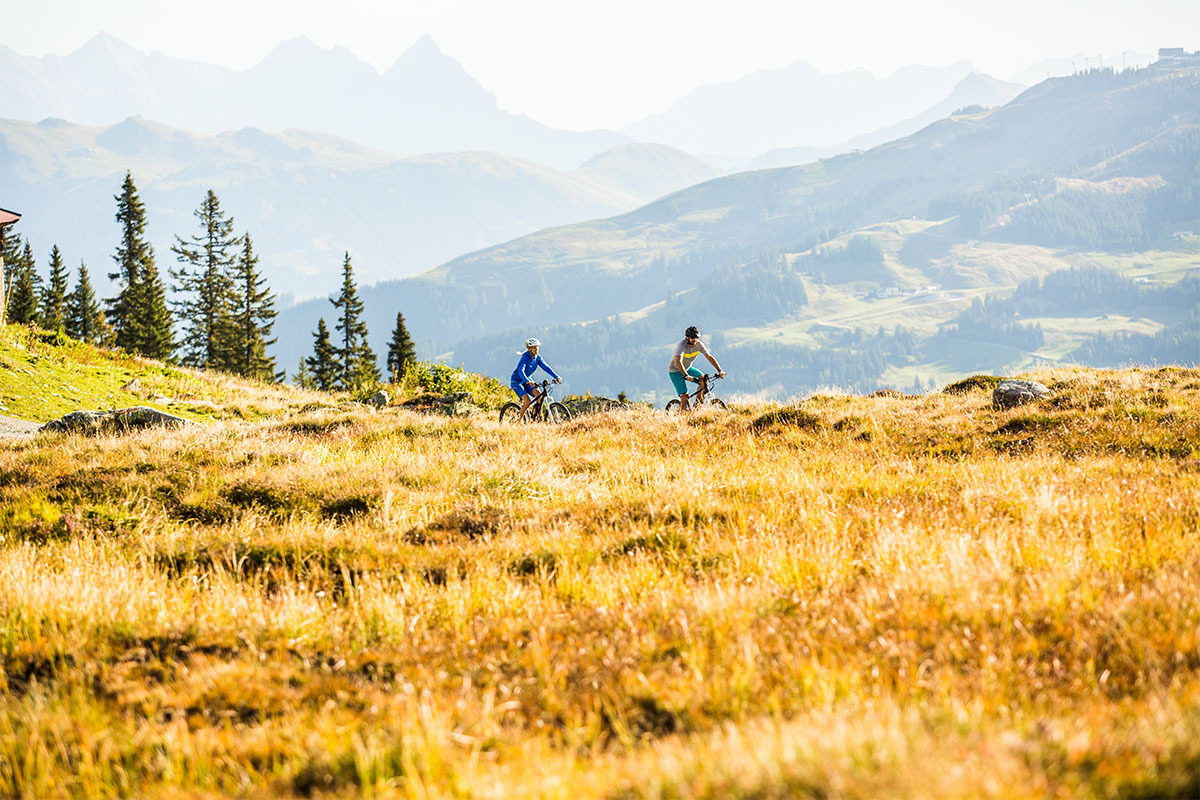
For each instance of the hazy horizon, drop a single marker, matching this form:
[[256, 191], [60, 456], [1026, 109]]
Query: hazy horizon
[[615, 65]]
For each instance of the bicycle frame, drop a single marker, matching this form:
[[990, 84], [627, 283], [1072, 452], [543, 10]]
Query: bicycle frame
[[538, 403], [541, 408], [697, 398], [702, 389]]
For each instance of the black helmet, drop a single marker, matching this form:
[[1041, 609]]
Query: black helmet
[[692, 332]]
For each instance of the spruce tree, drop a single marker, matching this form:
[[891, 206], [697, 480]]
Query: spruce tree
[[85, 318], [323, 364], [304, 377], [401, 352], [23, 294], [138, 314], [253, 316], [54, 297], [10, 254], [204, 285], [159, 342], [356, 359]]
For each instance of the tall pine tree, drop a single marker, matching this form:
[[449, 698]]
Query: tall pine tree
[[139, 315], [253, 316], [356, 359], [85, 318], [204, 287], [323, 364], [23, 295], [54, 296], [401, 352]]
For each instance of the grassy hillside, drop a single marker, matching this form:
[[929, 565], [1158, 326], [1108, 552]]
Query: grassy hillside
[[44, 376], [848, 597], [1094, 169]]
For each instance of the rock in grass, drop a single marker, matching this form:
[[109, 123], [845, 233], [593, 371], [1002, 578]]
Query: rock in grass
[[121, 420], [380, 399], [1010, 393]]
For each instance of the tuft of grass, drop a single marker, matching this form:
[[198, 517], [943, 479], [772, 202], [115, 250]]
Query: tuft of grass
[[789, 417], [974, 383]]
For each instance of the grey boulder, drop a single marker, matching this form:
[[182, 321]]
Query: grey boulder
[[121, 420], [1010, 393]]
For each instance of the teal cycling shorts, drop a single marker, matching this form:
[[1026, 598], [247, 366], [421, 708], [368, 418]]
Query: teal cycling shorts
[[680, 384]]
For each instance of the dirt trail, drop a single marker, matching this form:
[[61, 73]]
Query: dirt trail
[[13, 428]]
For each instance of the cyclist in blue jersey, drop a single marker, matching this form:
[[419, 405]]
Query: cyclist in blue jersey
[[520, 381]]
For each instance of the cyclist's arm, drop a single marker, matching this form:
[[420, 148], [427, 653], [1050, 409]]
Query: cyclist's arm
[[546, 367], [677, 366], [713, 361]]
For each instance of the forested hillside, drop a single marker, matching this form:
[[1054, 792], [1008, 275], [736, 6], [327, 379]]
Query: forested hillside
[[854, 270]]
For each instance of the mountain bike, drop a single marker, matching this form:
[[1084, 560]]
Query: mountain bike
[[540, 410], [699, 398]]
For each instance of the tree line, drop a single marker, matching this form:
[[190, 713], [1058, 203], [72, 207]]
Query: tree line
[[219, 315]]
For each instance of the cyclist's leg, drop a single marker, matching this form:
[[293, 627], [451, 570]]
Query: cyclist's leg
[[684, 404], [680, 386], [695, 373], [523, 395]]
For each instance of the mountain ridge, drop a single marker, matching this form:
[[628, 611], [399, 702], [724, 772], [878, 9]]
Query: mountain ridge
[[714, 250], [424, 102]]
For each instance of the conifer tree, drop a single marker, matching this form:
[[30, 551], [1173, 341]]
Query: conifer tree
[[253, 316], [204, 285], [356, 359], [23, 294], [323, 363], [54, 297], [138, 314], [10, 254], [159, 342], [401, 352], [85, 318], [304, 377]]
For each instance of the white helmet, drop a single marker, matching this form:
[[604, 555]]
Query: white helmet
[[531, 342]]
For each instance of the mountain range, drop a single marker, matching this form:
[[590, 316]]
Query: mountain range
[[798, 106], [786, 263], [425, 102], [974, 90], [308, 197]]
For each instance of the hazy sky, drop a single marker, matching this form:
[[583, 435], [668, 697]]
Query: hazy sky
[[604, 64]]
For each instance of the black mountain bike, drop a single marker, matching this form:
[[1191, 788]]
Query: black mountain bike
[[540, 410], [699, 398]]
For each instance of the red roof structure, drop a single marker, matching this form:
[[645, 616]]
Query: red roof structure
[[8, 217]]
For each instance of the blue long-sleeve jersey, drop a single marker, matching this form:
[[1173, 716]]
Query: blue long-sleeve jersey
[[527, 366]]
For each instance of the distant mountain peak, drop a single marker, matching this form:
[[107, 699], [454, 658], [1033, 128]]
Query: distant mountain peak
[[424, 53], [104, 43], [303, 47], [302, 53], [424, 46]]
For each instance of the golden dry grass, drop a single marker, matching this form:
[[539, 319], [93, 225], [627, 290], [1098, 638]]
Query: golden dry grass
[[877, 597]]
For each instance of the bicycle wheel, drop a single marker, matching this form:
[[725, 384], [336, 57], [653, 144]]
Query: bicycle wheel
[[510, 413], [557, 413], [716, 402], [672, 407]]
